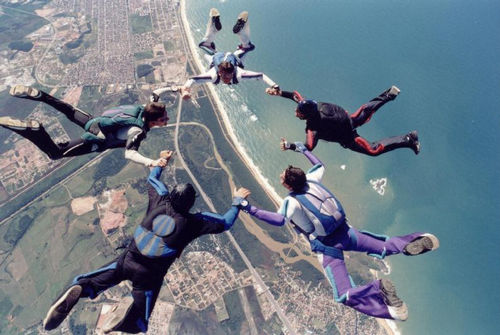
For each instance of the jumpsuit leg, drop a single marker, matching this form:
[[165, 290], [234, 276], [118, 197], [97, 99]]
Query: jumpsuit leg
[[97, 281], [361, 145], [366, 111], [42, 139], [207, 43], [245, 45], [367, 299], [75, 115], [147, 280], [363, 115]]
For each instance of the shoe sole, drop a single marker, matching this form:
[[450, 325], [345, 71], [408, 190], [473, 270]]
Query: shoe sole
[[21, 91], [394, 90], [215, 17], [214, 12], [19, 124], [240, 22], [71, 297], [397, 308], [427, 242], [119, 312]]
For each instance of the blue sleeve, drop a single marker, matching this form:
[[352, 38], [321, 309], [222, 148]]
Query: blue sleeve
[[154, 179], [227, 219]]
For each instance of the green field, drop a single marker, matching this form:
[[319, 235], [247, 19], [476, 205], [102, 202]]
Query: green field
[[143, 55], [140, 24]]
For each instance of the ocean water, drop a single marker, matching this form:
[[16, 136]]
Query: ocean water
[[444, 56]]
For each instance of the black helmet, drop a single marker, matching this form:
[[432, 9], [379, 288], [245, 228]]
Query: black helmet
[[307, 108], [182, 197]]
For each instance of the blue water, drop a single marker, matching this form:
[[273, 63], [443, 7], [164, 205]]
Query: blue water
[[445, 57]]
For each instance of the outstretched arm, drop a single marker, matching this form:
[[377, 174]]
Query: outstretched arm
[[300, 147], [154, 177], [295, 96], [272, 218], [220, 223], [135, 135]]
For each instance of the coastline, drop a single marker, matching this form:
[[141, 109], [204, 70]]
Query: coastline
[[219, 107], [389, 326]]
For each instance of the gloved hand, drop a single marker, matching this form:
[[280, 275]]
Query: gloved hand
[[300, 147], [154, 97]]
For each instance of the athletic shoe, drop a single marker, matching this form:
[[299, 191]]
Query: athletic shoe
[[208, 47], [412, 138], [119, 312], [15, 124], [214, 14], [61, 308], [20, 91], [397, 308], [250, 47], [421, 245], [240, 23]]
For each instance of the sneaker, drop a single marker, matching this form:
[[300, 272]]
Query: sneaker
[[412, 138], [397, 308], [240, 23], [118, 314], [61, 308], [208, 47], [214, 14], [20, 91], [421, 245], [11, 123], [249, 47]]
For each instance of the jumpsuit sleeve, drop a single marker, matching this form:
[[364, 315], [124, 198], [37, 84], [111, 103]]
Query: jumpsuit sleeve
[[208, 77], [250, 75], [272, 218], [214, 223], [311, 139], [135, 135], [295, 96], [154, 180]]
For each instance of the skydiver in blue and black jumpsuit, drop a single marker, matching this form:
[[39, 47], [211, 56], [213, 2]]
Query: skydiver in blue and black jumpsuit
[[159, 240], [332, 123]]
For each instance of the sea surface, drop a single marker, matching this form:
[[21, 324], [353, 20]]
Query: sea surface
[[445, 57]]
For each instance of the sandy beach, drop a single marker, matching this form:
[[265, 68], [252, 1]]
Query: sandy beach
[[389, 325]]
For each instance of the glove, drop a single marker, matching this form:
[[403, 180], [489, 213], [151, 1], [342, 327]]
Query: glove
[[241, 203], [154, 97], [300, 147]]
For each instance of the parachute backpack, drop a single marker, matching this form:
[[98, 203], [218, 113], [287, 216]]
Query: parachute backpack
[[321, 207], [150, 242], [112, 119], [220, 57]]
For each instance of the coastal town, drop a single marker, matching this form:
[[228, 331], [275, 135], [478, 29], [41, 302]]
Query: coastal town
[[120, 45]]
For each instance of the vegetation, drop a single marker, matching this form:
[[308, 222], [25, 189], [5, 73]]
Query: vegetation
[[21, 45], [16, 25], [168, 45], [140, 24], [144, 55], [144, 69]]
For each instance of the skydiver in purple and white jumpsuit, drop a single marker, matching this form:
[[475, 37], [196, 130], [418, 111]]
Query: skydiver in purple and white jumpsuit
[[377, 298], [224, 67]]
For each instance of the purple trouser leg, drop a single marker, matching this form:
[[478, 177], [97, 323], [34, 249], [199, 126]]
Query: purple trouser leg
[[366, 299]]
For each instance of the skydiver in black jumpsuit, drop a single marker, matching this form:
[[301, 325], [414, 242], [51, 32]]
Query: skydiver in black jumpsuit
[[159, 240], [332, 123]]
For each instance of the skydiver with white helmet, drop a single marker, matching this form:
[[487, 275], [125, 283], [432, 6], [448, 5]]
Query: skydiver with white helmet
[[167, 228], [225, 67], [315, 212], [332, 123], [122, 126]]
